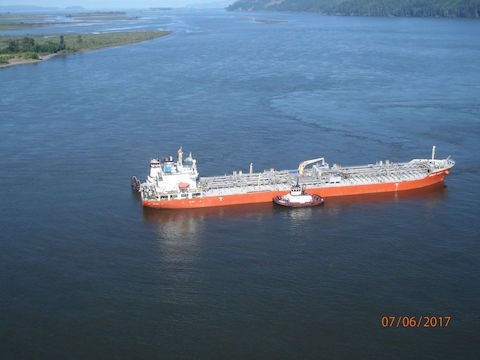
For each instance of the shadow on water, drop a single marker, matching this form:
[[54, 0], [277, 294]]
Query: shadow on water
[[219, 212], [188, 223], [188, 218], [182, 232]]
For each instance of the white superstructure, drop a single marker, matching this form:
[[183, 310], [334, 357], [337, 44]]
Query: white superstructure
[[168, 176]]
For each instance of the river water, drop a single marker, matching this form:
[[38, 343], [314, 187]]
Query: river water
[[86, 273]]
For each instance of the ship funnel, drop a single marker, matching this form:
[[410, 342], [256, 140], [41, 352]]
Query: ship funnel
[[433, 152]]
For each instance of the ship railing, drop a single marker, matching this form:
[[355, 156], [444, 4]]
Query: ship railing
[[358, 174], [246, 180], [392, 171], [377, 168]]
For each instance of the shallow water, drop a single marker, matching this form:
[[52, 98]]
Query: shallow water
[[87, 272]]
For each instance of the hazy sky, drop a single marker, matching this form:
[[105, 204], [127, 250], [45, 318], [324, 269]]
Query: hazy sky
[[105, 3]]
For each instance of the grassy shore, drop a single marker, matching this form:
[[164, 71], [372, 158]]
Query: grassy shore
[[15, 50]]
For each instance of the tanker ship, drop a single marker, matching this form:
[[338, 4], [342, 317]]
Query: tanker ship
[[177, 185]]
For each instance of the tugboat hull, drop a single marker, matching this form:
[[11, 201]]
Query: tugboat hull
[[316, 200]]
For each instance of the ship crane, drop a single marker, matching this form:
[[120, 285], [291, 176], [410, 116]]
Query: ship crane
[[305, 163]]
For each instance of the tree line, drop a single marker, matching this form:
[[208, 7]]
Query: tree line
[[28, 44], [416, 8]]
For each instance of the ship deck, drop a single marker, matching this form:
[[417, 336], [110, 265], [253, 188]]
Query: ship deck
[[314, 177], [273, 180]]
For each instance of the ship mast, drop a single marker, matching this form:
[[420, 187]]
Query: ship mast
[[180, 156]]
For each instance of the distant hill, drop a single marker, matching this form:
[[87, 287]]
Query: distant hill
[[210, 4], [25, 8], [414, 8], [34, 8]]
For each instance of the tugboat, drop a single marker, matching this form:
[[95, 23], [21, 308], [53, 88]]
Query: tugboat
[[298, 197]]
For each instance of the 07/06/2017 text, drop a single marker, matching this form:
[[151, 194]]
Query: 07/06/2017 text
[[406, 321]]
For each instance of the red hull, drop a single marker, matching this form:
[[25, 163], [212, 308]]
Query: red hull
[[325, 192]]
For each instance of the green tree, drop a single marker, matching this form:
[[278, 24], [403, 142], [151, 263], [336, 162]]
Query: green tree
[[12, 46], [27, 44], [62, 43]]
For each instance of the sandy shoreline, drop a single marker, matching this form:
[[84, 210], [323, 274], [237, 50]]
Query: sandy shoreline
[[16, 62]]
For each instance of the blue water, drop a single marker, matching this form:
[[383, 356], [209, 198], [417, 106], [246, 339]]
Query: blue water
[[86, 273]]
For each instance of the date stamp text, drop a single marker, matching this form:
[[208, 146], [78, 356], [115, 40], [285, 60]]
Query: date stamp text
[[420, 321]]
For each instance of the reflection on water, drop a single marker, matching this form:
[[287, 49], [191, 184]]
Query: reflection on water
[[180, 232], [187, 223], [299, 214], [220, 212], [179, 225]]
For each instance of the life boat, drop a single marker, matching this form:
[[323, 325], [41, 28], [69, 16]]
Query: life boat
[[183, 186]]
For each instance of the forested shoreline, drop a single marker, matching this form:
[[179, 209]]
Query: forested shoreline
[[404, 8]]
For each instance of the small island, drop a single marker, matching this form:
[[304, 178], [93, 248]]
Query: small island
[[16, 50], [269, 21]]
